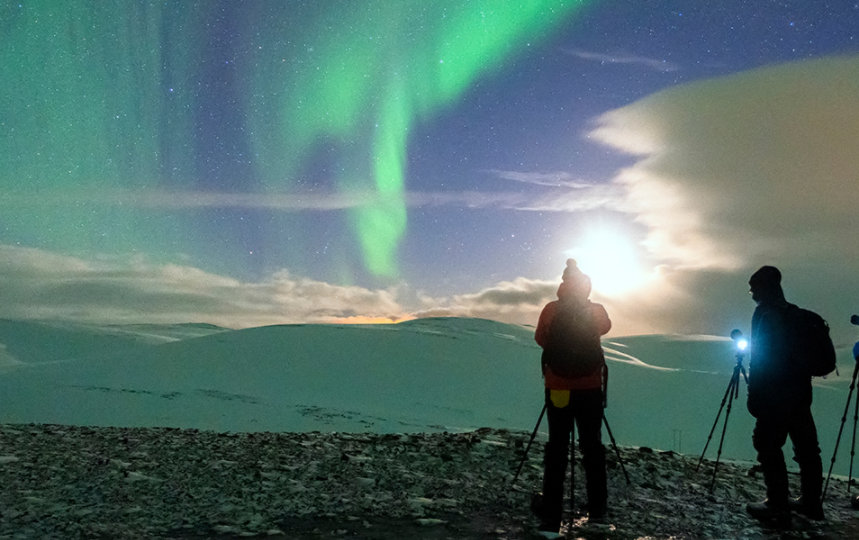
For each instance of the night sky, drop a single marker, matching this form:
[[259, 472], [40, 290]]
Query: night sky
[[262, 162]]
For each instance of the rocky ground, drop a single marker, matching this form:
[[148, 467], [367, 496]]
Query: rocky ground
[[64, 481]]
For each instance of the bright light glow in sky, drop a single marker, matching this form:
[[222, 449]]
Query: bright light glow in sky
[[247, 162], [610, 257]]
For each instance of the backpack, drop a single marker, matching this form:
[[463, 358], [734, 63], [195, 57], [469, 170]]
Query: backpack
[[811, 347], [573, 347]]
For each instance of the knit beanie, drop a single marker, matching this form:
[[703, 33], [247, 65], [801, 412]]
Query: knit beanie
[[572, 271], [766, 277], [575, 282]]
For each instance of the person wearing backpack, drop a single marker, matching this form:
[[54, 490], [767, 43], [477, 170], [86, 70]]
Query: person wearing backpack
[[574, 372], [779, 397]]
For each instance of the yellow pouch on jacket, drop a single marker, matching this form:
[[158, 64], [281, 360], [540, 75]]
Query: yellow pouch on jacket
[[560, 398]]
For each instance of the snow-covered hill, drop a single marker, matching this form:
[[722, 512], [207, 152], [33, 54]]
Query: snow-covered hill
[[426, 375]]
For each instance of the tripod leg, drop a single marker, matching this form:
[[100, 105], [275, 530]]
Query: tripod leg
[[715, 422], [732, 387], [530, 442], [572, 471], [840, 430], [853, 445], [616, 451]]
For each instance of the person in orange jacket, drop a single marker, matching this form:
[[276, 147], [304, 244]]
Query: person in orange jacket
[[579, 398]]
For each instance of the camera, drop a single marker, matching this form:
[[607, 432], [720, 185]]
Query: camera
[[740, 342]]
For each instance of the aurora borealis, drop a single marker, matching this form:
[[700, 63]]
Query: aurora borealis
[[237, 97], [249, 162]]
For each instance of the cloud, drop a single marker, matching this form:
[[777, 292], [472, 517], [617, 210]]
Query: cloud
[[568, 193], [552, 179], [468, 199], [609, 196], [739, 171], [516, 302], [582, 196], [744, 165], [681, 307], [603, 58], [37, 284], [179, 200]]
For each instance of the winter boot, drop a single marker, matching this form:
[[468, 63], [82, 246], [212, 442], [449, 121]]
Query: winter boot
[[596, 512], [548, 522], [778, 515], [810, 508]]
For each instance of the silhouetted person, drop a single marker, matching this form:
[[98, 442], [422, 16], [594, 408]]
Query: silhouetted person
[[569, 399], [780, 400]]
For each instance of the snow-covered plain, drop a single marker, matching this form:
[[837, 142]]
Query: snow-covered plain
[[427, 375], [387, 431]]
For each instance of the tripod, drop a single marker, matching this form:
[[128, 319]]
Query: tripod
[[841, 429], [572, 449], [731, 393]]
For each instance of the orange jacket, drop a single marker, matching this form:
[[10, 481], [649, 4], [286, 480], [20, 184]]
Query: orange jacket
[[556, 382]]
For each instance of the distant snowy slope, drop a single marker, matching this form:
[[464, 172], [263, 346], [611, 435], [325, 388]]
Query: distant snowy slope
[[423, 375], [429, 374], [36, 342]]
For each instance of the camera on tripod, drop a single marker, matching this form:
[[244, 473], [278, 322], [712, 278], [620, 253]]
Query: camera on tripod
[[853, 320], [731, 393], [740, 342]]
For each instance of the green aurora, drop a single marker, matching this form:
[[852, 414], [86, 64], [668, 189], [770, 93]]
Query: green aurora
[[104, 97]]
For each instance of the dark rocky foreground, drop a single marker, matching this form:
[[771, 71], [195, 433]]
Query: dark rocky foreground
[[64, 481]]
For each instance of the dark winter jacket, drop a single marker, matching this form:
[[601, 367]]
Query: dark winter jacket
[[776, 387]]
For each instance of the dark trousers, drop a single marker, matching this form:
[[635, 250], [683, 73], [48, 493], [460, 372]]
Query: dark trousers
[[770, 434], [586, 410]]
